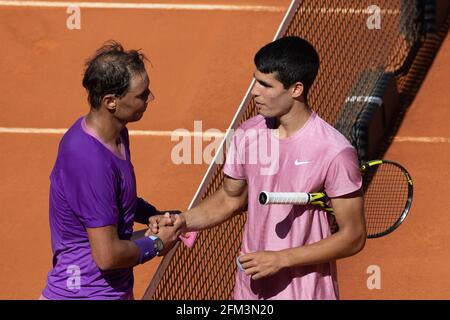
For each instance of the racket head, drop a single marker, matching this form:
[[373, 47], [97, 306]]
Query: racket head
[[388, 193]]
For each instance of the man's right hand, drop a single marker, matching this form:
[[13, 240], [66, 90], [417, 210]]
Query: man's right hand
[[168, 227], [167, 220], [157, 221]]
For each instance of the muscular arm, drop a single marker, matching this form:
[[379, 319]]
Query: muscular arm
[[349, 240], [108, 251], [219, 207]]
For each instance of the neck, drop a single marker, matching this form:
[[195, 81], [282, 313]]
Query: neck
[[294, 120], [105, 126]]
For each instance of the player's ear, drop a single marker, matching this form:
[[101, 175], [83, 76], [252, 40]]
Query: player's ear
[[297, 89], [110, 102]]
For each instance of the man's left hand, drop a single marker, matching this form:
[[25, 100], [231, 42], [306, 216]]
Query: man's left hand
[[262, 264]]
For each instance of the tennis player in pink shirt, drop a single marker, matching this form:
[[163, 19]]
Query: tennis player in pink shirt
[[288, 251]]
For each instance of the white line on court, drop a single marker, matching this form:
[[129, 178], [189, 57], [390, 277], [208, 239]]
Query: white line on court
[[148, 6], [422, 139], [186, 133], [151, 133]]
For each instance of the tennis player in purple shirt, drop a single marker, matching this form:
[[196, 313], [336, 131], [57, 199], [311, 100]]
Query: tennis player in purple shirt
[[93, 200]]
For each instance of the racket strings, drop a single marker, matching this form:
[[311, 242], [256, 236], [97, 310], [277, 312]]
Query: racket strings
[[386, 193]]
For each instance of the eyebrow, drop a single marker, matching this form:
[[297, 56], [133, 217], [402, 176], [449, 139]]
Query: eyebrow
[[265, 84]]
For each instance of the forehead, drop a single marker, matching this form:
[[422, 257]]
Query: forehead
[[139, 82], [270, 78]]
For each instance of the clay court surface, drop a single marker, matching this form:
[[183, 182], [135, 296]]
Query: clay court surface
[[201, 66]]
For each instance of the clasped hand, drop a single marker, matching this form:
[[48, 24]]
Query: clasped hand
[[167, 227]]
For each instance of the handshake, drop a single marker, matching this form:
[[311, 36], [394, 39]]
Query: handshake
[[170, 227]]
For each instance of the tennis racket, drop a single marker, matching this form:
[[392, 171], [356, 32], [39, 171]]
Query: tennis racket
[[388, 193]]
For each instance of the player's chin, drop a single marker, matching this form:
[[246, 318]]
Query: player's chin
[[137, 116], [262, 110]]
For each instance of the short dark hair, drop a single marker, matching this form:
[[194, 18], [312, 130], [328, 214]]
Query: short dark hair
[[292, 58], [110, 71]]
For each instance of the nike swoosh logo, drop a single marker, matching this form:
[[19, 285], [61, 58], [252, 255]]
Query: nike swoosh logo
[[297, 163]]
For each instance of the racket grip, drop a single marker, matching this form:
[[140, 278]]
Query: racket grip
[[284, 198], [189, 239]]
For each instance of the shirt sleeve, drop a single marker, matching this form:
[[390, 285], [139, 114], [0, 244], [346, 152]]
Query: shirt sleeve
[[343, 176], [144, 210], [91, 189], [234, 164]]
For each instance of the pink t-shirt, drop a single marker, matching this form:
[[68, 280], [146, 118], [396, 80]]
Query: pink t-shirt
[[316, 158]]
